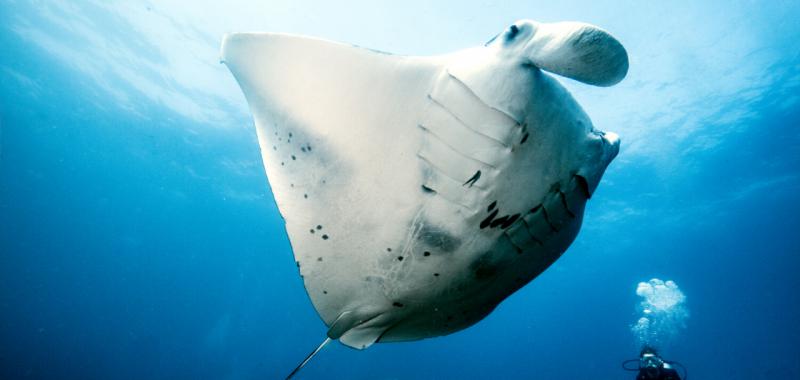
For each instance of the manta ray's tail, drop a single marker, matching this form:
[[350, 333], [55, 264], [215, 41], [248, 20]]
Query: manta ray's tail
[[308, 358]]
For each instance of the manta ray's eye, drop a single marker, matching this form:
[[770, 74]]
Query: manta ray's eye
[[512, 32]]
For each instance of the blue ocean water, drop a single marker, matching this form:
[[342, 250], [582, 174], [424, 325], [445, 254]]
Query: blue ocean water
[[139, 238]]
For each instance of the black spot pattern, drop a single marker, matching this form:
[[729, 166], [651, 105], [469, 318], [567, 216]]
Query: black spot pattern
[[524, 138], [475, 177], [493, 221], [397, 304]]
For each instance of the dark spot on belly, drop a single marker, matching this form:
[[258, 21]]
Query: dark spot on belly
[[324, 237], [438, 237], [293, 157], [471, 181], [397, 304], [426, 189], [524, 138], [436, 274], [311, 230], [491, 206], [486, 222], [324, 292], [483, 267], [510, 221], [399, 258], [497, 221], [319, 258], [426, 253], [319, 227], [388, 249]]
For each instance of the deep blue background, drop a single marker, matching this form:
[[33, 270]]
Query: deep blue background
[[146, 245]]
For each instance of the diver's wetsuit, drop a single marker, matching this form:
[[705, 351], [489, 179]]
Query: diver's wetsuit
[[666, 372]]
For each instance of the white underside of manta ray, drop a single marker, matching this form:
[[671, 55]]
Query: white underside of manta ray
[[419, 192]]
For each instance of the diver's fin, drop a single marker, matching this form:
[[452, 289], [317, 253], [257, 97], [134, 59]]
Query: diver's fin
[[308, 358]]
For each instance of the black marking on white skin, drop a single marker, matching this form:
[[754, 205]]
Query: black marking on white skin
[[399, 258], [524, 138], [426, 253], [436, 274], [496, 222], [305, 196], [282, 163], [319, 258], [274, 147], [319, 227], [311, 230], [505, 221], [492, 221], [303, 149], [397, 304], [486, 222], [293, 158], [324, 292], [475, 177], [324, 237], [426, 189], [388, 249]]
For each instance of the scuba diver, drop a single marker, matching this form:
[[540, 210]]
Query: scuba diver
[[653, 367]]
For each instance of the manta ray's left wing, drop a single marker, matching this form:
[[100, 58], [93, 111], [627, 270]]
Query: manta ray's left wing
[[338, 128]]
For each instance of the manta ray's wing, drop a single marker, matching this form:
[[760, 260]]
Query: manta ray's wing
[[338, 128]]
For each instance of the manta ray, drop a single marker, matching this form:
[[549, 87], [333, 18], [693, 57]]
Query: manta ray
[[419, 192]]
